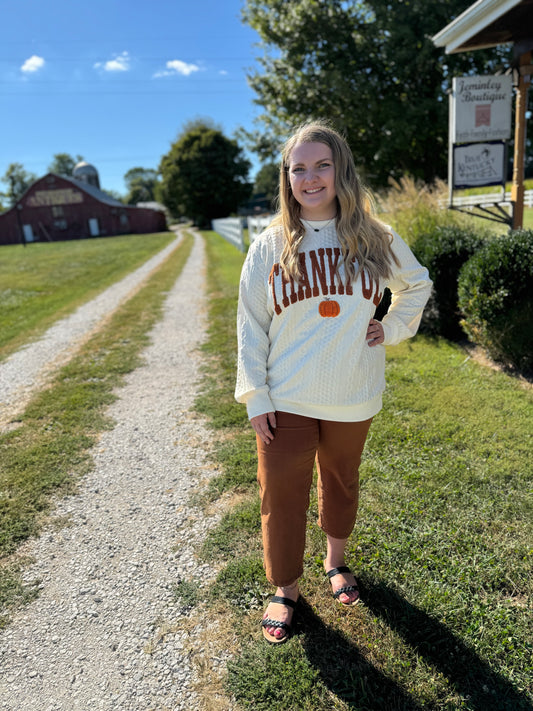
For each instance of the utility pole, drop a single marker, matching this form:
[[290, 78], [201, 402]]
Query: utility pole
[[21, 230]]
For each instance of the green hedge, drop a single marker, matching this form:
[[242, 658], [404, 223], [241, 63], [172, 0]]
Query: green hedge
[[496, 298], [444, 251]]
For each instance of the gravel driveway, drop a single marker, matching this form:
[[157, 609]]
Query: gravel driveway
[[106, 631], [31, 366]]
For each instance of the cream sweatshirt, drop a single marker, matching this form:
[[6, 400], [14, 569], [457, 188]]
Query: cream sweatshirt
[[302, 347]]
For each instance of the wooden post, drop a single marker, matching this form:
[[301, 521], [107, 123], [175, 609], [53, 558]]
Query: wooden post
[[517, 189]]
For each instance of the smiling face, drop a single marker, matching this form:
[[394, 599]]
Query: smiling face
[[312, 180]]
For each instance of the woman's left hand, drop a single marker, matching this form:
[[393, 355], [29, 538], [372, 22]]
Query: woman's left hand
[[374, 333]]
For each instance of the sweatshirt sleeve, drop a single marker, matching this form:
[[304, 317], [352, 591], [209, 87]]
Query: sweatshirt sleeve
[[253, 324], [410, 286]]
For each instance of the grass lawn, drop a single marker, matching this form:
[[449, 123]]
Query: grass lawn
[[528, 218], [442, 548], [497, 227], [43, 282], [482, 224], [49, 450]]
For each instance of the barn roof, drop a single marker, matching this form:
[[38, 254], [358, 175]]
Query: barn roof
[[92, 190]]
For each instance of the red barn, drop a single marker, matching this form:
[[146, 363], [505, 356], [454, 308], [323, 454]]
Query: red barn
[[57, 208]]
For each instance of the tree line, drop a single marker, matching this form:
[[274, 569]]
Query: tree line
[[368, 66], [372, 68], [203, 176]]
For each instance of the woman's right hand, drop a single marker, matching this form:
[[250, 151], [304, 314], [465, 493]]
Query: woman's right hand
[[264, 426]]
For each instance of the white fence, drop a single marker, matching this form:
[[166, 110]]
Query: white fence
[[231, 229], [257, 224], [491, 199]]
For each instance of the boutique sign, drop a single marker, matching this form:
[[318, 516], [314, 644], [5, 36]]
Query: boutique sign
[[476, 164], [481, 109]]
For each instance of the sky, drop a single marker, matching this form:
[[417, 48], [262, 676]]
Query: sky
[[116, 80]]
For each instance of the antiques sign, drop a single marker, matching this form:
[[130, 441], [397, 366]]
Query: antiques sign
[[481, 109], [476, 164]]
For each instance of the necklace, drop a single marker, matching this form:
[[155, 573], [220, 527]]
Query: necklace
[[317, 229]]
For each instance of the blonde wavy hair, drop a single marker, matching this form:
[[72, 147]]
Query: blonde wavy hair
[[364, 240]]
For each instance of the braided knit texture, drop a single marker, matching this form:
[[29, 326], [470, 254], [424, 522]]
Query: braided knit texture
[[302, 347]]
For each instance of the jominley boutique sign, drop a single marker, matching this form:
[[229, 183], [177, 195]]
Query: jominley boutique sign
[[481, 109]]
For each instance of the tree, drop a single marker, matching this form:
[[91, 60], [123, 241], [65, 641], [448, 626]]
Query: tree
[[371, 68], [267, 182], [204, 175], [116, 196], [18, 181], [64, 164], [141, 184]]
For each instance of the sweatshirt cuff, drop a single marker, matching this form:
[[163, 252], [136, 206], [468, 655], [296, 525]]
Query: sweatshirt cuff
[[259, 404], [390, 333]]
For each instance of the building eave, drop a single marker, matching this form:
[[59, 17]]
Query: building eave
[[457, 36]]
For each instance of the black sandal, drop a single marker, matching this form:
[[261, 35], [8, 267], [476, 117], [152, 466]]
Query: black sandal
[[268, 622], [346, 589]]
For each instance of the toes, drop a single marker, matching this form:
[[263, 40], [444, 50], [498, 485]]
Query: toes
[[345, 598], [275, 632], [348, 598]]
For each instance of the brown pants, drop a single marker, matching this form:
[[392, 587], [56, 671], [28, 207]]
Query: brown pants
[[285, 475]]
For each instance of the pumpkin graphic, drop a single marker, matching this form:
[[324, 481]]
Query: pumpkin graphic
[[329, 309]]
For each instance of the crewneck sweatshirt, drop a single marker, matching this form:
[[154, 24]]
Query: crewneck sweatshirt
[[302, 346]]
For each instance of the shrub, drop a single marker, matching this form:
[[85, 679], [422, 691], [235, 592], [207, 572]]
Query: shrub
[[444, 251], [496, 298]]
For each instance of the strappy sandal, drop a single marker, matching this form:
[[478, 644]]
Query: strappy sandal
[[346, 589], [268, 622]]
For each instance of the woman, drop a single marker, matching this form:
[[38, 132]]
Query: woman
[[311, 356]]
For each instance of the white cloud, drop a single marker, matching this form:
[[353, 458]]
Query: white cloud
[[223, 72], [176, 66], [120, 63], [33, 64]]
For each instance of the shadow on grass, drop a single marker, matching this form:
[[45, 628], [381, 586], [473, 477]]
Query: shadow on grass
[[470, 675], [348, 675], [345, 671]]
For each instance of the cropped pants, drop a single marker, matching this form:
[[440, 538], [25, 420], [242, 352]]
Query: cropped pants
[[285, 476]]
